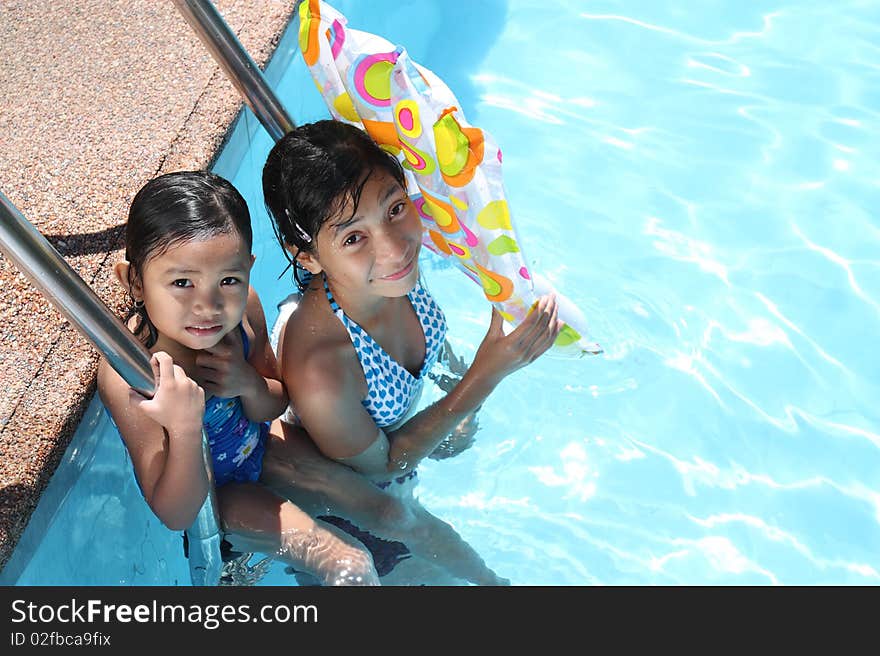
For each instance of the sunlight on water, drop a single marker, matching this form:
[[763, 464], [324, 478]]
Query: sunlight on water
[[708, 205], [702, 182]]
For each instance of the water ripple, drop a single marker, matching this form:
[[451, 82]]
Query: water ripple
[[840, 261], [776, 534], [736, 37]]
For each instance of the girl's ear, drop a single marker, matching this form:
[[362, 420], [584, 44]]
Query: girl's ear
[[308, 262], [122, 270]]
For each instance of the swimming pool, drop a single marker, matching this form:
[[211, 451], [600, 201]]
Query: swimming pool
[[700, 182]]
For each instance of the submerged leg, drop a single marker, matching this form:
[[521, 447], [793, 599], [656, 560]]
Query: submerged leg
[[439, 543], [258, 520], [296, 469]]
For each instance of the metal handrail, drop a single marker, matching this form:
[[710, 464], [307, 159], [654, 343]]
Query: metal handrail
[[204, 536], [22, 243], [49, 272], [238, 65]]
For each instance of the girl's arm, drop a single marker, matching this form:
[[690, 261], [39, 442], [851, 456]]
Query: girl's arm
[[498, 356], [163, 437], [328, 398], [225, 372]]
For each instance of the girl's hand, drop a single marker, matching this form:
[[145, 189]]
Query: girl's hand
[[178, 404], [222, 368], [500, 355]]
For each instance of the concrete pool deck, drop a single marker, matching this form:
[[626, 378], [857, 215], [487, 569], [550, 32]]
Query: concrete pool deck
[[96, 97]]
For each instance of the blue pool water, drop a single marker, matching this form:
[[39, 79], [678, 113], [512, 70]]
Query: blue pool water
[[702, 181]]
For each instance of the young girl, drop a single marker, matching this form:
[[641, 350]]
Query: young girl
[[187, 270], [355, 352]]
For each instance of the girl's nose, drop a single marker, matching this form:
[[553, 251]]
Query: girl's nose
[[209, 299], [392, 246]]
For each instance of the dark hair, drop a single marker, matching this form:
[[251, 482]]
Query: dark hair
[[176, 208], [310, 176]]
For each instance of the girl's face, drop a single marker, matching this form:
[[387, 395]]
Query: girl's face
[[374, 250], [196, 291]]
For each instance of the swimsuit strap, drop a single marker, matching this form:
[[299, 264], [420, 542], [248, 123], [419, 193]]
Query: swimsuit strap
[[430, 317], [244, 340], [333, 304], [236, 443], [364, 343]]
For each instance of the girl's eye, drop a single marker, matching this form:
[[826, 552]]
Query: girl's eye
[[397, 209], [230, 280], [351, 239], [182, 282]]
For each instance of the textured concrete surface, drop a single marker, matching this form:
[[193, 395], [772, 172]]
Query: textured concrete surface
[[96, 97]]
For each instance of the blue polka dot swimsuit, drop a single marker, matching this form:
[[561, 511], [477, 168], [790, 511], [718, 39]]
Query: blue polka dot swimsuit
[[393, 389]]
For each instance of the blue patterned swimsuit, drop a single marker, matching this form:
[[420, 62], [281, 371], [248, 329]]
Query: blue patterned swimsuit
[[393, 389], [393, 393], [237, 443]]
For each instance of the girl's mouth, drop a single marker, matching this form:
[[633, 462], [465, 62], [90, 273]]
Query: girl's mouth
[[402, 273], [203, 331]]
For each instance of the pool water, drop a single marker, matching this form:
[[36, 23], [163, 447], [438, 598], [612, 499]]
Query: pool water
[[702, 181]]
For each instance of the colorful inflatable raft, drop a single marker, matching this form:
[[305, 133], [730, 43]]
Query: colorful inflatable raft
[[453, 168]]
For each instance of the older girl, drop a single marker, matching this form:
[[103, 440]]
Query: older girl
[[355, 353]]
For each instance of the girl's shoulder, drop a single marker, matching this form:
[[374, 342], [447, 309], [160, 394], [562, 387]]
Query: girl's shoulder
[[316, 347], [313, 327]]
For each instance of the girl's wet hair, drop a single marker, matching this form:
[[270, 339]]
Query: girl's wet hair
[[310, 176], [173, 209]]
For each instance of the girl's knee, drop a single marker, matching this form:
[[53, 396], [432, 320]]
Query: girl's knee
[[298, 465], [398, 520], [392, 514], [355, 567], [334, 557]]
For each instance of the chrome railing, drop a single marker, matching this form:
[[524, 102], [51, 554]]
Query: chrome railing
[[32, 253], [238, 65], [49, 272]]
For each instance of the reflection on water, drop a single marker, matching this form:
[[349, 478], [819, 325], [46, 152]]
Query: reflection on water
[[699, 182], [702, 182]]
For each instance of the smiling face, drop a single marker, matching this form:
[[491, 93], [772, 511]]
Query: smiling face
[[373, 249], [196, 291]]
